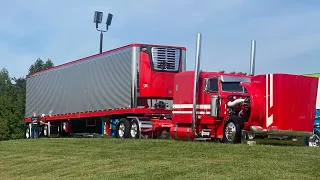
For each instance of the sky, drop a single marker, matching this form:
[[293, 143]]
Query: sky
[[287, 32]]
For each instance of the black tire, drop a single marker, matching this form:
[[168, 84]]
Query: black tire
[[45, 131], [164, 134], [314, 135], [237, 124], [40, 131], [245, 137], [27, 134], [123, 122], [134, 129]]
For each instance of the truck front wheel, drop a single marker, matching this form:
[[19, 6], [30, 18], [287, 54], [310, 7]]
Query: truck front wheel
[[123, 128], [232, 130]]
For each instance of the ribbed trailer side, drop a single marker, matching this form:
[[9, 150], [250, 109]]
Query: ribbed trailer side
[[101, 82]]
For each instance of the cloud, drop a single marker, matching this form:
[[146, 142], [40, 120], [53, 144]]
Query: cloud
[[65, 31]]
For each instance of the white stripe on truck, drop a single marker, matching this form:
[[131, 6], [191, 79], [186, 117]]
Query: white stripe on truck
[[186, 106], [269, 120], [190, 112]]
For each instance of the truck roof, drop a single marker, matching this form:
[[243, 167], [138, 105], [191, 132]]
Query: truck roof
[[103, 53], [217, 73]]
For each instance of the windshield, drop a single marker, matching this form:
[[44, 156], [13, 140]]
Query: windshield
[[233, 87]]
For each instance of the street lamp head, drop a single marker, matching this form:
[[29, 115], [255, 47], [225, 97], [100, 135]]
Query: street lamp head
[[97, 18], [109, 19]]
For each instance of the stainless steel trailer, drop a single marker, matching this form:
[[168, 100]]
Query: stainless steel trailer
[[104, 81]]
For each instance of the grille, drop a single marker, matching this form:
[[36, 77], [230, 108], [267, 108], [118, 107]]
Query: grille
[[165, 59]]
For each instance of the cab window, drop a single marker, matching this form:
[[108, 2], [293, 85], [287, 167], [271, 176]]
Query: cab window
[[212, 85]]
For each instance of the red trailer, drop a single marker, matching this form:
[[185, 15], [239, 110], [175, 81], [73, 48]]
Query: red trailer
[[119, 92]]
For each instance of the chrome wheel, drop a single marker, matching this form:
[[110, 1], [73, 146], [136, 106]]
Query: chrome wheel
[[314, 140], [134, 130], [230, 131], [121, 130]]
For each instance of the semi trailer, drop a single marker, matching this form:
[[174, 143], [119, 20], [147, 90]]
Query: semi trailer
[[144, 91], [121, 92]]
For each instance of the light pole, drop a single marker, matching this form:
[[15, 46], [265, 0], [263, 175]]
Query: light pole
[[98, 19]]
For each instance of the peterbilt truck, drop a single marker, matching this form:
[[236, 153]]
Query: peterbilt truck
[[125, 92], [233, 107], [144, 91]]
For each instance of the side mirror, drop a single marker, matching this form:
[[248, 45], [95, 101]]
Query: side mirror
[[215, 106]]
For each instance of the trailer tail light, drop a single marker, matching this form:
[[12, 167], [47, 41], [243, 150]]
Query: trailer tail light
[[166, 59]]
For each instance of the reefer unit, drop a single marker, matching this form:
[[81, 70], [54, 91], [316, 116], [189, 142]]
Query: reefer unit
[[125, 77]]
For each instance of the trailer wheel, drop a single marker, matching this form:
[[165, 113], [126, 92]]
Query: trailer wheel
[[232, 130], [45, 131], [123, 128], [27, 134], [134, 129]]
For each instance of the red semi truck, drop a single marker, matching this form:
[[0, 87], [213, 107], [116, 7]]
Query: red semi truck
[[234, 107], [144, 91]]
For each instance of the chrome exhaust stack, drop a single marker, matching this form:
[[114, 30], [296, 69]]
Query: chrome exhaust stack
[[195, 83], [252, 57]]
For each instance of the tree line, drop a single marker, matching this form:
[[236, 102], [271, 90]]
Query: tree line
[[12, 100]]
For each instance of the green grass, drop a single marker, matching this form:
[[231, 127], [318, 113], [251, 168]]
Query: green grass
[[104, 158]]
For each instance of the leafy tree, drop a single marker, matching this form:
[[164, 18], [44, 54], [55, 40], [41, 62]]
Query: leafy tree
[[12, 101], [49, 64], [4, 80], [5, 102], [39, 65]]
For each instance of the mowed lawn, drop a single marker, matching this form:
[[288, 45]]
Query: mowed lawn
[[107, 158]]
